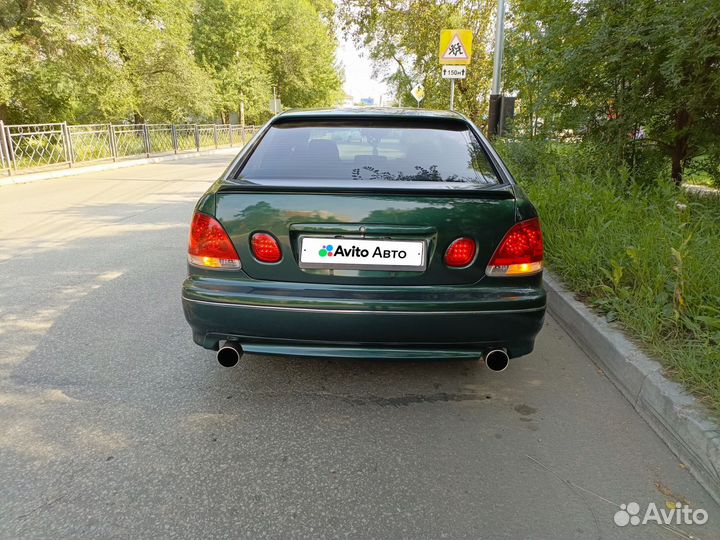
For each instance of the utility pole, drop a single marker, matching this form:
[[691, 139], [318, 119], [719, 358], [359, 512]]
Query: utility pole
[[495, 95]]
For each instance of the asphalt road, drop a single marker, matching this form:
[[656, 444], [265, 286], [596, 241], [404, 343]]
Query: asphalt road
[[113, 424]]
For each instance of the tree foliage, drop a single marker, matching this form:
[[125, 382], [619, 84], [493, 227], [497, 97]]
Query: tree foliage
[[640, 78], [227, 38], [402, 38], [162, 60]]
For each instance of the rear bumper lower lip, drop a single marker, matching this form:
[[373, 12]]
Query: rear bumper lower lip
[[361, 311], [356, 321]]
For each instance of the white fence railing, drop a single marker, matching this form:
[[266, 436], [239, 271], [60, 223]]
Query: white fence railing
[[29, 147]]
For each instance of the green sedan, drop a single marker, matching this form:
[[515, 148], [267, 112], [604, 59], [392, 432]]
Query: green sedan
[[366, 233]]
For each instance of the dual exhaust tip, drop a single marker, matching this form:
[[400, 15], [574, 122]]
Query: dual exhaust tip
[[496, 359], [229, 355]]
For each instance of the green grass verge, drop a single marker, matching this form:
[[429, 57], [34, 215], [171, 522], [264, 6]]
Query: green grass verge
[[646, 255]]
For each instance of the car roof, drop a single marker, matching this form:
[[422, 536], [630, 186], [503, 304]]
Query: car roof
[[385, 113]]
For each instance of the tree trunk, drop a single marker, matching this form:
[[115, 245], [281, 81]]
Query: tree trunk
[[4, 113], [531, 113], [680, 145], [676, 166]]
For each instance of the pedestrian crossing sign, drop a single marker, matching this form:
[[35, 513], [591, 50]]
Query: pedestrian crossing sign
[[455, 46]]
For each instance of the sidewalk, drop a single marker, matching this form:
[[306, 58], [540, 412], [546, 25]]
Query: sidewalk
[[83, 169]]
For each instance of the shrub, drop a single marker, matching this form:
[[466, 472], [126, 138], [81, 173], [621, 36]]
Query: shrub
[[641, 251]]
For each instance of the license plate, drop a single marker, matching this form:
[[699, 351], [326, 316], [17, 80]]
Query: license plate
[[362, 254]]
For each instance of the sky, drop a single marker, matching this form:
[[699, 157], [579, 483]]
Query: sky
[[359, 82]]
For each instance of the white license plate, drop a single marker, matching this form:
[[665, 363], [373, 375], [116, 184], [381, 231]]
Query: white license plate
[[355, 253]]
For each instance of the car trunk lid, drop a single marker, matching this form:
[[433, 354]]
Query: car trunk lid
[[410, 217]]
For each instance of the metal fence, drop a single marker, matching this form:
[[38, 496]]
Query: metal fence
[[29, 147]]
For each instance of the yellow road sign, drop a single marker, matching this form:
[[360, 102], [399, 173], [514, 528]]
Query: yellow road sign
[[418, 92], [455, 46]]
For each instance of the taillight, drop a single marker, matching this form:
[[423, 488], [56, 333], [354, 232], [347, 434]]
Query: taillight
[[460, 253], [521, 251], [210, 246], [265, 248]]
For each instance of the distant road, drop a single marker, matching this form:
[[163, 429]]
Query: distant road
[[113, 424]]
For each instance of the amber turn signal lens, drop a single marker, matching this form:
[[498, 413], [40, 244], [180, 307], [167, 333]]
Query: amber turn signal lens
[[210, 246], [521, 251]]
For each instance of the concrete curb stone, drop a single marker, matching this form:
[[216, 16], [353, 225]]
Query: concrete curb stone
[[676, 416]]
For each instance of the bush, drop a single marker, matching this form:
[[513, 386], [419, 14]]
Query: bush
[[643, 252], [704, 170]]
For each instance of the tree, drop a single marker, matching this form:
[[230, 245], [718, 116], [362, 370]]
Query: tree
[[103, 60], [639, 77], [403, 40], [535, 31], [300, 51], [12, 62], [249, 46], [615, 69], [162, 60], [228, 43], [158, 62]]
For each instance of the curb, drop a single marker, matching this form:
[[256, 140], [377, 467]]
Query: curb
[[703, 191], [24, 178], [676, 416]]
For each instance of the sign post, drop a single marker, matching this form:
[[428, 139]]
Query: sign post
[[275, 104], [455, 50], [495, 112]]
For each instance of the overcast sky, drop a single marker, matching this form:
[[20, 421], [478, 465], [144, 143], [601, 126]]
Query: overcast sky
[[358, 72]]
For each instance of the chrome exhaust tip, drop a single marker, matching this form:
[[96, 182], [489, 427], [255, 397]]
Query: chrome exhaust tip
[[229, 354], [497, 359]]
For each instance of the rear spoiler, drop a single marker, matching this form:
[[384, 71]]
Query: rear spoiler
[[418, 189]]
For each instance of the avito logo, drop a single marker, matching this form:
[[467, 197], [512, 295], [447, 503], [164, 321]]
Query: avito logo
[[675, 514], [326, 251], [355, 251]]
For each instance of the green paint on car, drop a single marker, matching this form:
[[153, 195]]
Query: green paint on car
[[365, 207]]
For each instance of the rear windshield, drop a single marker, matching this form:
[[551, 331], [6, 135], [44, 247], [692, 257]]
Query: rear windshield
[[370, 151]]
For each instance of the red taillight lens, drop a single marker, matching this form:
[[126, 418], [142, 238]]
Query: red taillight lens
[[460, 253], [521, 251], [265, 248], [210, 246]]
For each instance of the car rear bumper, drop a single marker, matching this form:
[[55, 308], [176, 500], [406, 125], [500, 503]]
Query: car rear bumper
[[356, 321]]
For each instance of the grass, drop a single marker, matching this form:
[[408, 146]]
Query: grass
[[645, 254], [698, 174], [700, 179]]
